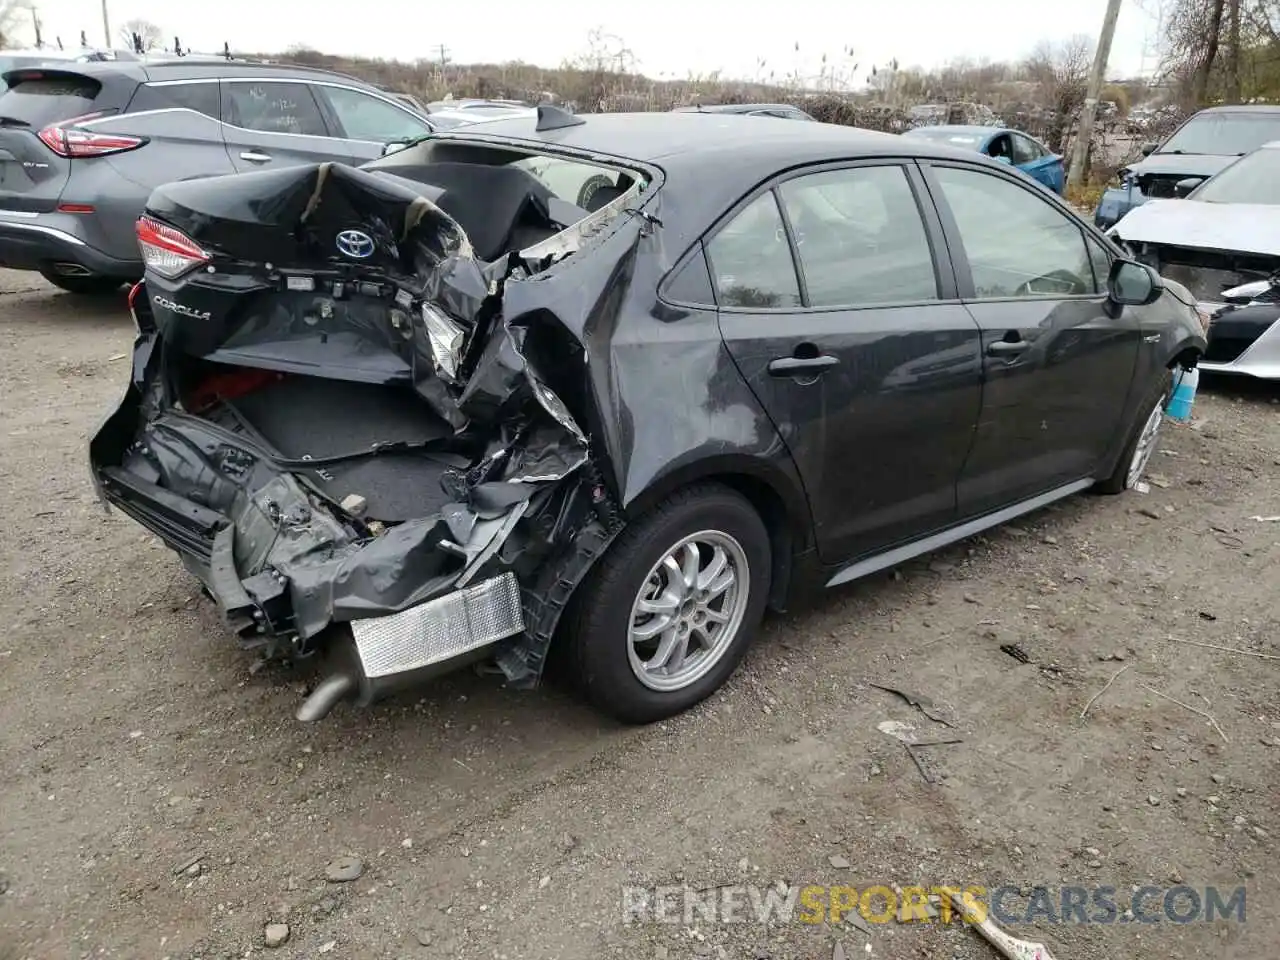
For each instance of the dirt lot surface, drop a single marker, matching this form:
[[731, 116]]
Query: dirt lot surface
[[158, 799]]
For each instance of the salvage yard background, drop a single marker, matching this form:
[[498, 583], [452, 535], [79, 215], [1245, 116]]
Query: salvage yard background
[[1202, 53], [158, 800]]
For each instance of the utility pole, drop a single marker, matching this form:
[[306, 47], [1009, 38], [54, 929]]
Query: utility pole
[[106, 25], [1080, 155], [444, 60], [35, 22]]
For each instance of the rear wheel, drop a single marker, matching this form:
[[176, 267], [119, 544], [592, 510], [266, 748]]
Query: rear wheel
[[88, 284], [1142, 441], [672, 607]]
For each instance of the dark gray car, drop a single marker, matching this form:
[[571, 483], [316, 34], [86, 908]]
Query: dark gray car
[[82, 145], [433, 410]]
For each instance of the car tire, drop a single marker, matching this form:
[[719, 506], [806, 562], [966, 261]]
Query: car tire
[[92, 285], [638, 604], [1143, 437], [589, 188]]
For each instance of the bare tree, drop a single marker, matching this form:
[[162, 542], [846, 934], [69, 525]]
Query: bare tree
[[1062, 72], [1264, 19], [1233, 51], [152, 36], [13, 13], [1213, 38], [1222, 49], [606, 62]]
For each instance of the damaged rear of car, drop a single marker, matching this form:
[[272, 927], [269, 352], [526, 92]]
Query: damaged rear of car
[[342, 428]]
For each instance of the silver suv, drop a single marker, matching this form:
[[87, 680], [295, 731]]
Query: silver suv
[[82, 145]]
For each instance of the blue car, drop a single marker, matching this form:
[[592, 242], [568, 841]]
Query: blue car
[[1008, 146]]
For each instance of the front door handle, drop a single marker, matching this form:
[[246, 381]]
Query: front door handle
[[254, 157], [800, 366], [1006, 348]]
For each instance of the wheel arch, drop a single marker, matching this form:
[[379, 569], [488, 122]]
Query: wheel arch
[[774, 495], [1186, 354]]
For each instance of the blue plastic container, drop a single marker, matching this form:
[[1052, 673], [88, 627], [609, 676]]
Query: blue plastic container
[[1184, 395]]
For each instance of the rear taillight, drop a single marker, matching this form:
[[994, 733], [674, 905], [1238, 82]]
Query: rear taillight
[[67, 140], [167, 251]]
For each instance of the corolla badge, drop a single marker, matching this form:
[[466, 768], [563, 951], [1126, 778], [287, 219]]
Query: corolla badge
[[355, 243]]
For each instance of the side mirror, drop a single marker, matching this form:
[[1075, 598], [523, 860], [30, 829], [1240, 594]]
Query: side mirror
[[1149, 148], [1134, 284], [1184, 186], [395, 146], [1005, 160]]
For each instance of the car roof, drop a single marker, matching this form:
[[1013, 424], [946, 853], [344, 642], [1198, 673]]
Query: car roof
[[733, 107], [471, 103], [710, 160], [54, 54], [974, 128], [195, 68], [1242, 108], [473, 117], [655, 137]]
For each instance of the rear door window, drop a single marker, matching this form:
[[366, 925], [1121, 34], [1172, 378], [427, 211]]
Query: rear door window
[[42, 99], [200, 97], [860, 237], [272, 107]]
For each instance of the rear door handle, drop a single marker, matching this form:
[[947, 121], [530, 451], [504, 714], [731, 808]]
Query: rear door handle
[[253, 156], [799, 366], [1005, 348]]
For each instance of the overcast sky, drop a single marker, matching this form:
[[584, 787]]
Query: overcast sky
[[667, 37]]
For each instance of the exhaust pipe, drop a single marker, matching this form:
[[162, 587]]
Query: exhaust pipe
[[71, 270], [333, 688]]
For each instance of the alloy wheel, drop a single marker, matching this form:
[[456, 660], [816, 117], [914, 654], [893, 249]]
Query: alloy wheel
[[1145, 446], [688, 610]]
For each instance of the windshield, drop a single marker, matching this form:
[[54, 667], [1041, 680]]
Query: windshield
[[1252, 179], [1224, 134]]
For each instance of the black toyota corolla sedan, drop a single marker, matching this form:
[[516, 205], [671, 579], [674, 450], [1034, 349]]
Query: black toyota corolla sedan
[[613, 384]]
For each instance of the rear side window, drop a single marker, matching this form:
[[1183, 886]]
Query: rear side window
[[200, 97], [273, 108], [692, 282], [42, 99]]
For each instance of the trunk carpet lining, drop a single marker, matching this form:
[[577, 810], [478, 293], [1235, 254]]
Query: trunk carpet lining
[[310, 416]]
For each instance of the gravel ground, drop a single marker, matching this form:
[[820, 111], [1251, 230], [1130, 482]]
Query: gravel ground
[[158, 799]]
